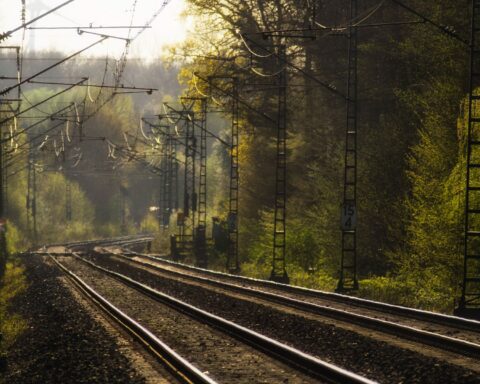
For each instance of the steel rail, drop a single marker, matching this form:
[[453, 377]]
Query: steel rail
[[177, 365], [440, 341], [303, 362], [433, 317], [134, 240], [114, 240]]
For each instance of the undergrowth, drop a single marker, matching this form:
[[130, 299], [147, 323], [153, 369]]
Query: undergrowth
[[11, 324]]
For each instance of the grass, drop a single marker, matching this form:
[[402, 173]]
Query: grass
[[11, 324]]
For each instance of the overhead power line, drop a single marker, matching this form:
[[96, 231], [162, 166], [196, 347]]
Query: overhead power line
[[39, 103], [148, 90], [6, 90], [443, 28], [287, 62], [7, 34], [241, 101], [50, 117], [99, 27]]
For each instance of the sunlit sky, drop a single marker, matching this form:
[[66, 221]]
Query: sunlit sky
[[168, 28]]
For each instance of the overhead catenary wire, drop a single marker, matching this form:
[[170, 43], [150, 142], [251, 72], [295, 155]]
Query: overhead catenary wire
[[176, 139], [131, 155], [240, 100], [88, 85], [88, 92], [32, 140], [287, 62], [96, 27], [249, 49], [368, 16], [152, 19], [261, 74], [8, 89], [142, 131], [39, 103], [4, 35], [67, 131], [26, 100], [442, 28], [201, 126], [30, 127], [172, 138], [194, 81]]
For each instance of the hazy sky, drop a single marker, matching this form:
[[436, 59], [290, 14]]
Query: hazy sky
[[169, 27]]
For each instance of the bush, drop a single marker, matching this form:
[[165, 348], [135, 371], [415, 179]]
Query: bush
[[16, 242], [13, 284], [425, 291]]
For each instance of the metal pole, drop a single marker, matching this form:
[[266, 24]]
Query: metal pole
[[233, 265], [279, 271], [68, 199], [3, 239], [34, 200], [348, 264], [201, 238], [469, 305]]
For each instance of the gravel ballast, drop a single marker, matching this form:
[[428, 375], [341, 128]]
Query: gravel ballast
[[226, 359], [63, 343], [368, 357]]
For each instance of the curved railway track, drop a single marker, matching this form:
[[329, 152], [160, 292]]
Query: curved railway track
[[122, 241], [309, 365], [406, 323], [412, 313]]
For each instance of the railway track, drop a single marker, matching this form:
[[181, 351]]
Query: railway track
[[88, 245], [181, 369], [427, 328], [309, 366]]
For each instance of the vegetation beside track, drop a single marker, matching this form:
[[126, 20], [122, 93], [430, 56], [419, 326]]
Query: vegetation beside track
[[11, 324]]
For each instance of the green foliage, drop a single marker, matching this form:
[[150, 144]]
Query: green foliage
[[149, 224], [13, 284], [428, 268], [161, 242], [258, 234], [306, 261], [411, 151], [52, 224], [51, 205], [318, 279], [16, 242], [426, 290]]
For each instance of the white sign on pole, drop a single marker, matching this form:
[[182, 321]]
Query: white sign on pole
[[349, 216]]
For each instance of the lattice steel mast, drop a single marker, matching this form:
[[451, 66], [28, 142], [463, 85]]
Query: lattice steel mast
[[233, 265], [3, 193], [174, 167], [189, 195], [68, 199], [169, 176], [279, 271], [348, 264], [31, 197], [164, 206], [200, 238], [469, 304]]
